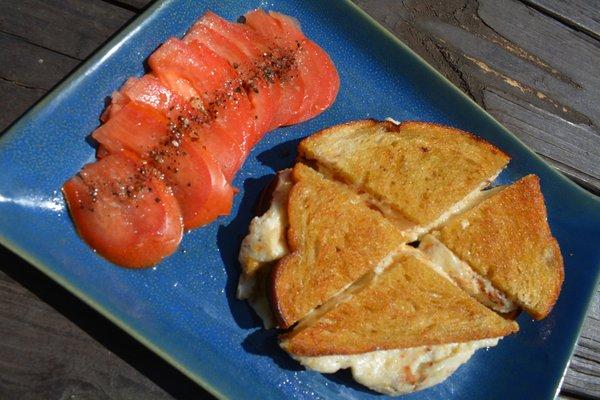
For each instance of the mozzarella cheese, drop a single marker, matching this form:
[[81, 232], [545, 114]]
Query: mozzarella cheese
[[447, 264]]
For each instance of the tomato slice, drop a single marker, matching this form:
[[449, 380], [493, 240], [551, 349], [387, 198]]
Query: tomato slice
[[197, 66], [325, 80], [198, 184], [292, 87], [219, 96], [149, 94], [203, 33], [137, 127], [239, 35], [243, 53], [218, 142], [197, 180], [320, 78], [129, 217]]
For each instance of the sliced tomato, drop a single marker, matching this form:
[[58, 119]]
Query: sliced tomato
[[151, 91], [239, 35], [136, 127], [195, 176], [263, 88], [130, 218], [199, 185], [117, 101], [228, 153], [203, 33], [284, 47], [320, 78], [197, 66], [219, 94], [142, 129]]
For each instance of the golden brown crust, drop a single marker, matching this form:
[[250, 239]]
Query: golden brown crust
[[420, 169], [507, 239], [408, 305], [334, 239]]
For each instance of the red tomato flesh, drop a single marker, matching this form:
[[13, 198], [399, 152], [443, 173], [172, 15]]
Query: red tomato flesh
[[292, 86], [228, 149], [131, 219], [198, 183]]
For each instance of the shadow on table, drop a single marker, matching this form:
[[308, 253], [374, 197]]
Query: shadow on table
[[100, 329]]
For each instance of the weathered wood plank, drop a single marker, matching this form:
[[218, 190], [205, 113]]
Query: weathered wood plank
[[27, 76], [565, 71], [71, 27], [30, 65], [579, 14], [583, 376], [490, 46], [577, 142], [15, 100], [79, 354], [130, 4]]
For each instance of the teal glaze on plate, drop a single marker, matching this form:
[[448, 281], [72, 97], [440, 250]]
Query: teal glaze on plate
[[185, 308]]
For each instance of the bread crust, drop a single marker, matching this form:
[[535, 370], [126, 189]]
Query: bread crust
[[507, 239], [334, 238], [420, 169], [408, 305]]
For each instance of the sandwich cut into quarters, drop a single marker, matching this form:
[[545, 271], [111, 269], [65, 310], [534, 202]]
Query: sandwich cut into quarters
[[338, 269], [402, 330], [414, 175]]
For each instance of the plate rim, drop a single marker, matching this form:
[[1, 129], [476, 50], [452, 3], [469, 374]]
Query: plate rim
[[96, 59]]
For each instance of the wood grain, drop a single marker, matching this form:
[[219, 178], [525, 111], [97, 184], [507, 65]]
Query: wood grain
[[30, 73], [578, 14], [55, 347], [74, 28], [533, 65], [549, 72], [583, 376]]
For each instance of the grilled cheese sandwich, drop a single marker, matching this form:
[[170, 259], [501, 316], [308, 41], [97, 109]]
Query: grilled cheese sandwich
[[330, 252]]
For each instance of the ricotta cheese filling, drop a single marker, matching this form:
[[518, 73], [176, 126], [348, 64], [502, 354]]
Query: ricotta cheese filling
[[447, 264], [395, 372], [266, 240], [265, 244]]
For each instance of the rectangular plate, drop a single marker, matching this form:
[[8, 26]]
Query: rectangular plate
[[185, 308]]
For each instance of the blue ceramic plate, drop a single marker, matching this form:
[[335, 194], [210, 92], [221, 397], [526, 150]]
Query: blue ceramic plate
[[185, 308]]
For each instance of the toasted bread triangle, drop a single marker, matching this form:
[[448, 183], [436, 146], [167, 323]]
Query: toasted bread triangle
[[419, 169], [506, 238], [334, 239], [408, 305]]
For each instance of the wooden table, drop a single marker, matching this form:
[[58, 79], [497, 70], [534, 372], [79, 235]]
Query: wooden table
[[533, 64]]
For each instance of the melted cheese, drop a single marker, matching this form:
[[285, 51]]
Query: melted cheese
[[446, 263], [395, 372], [266, 240], [265, 243]]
